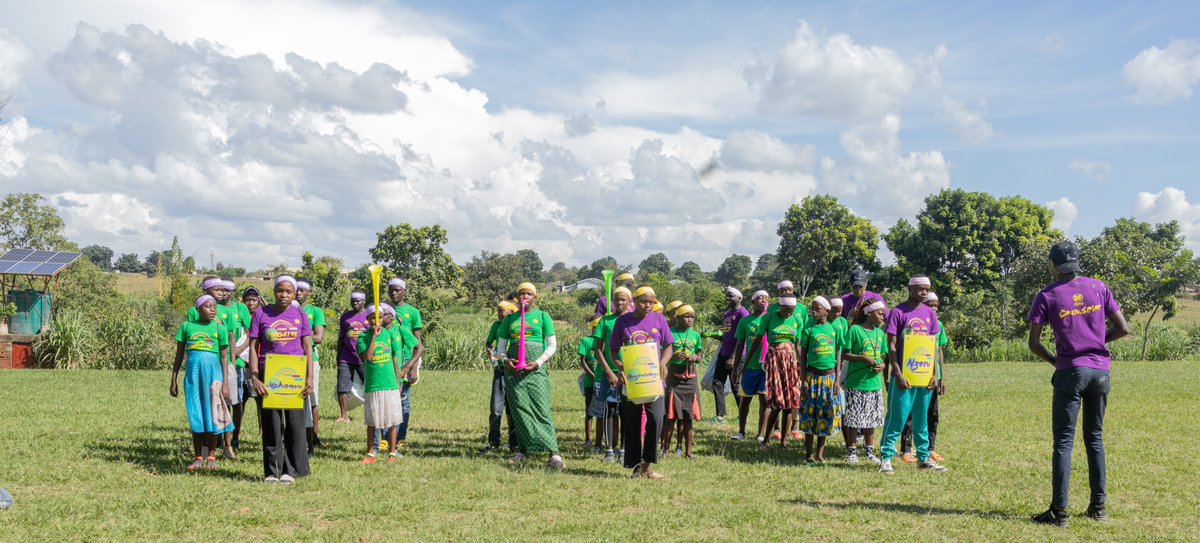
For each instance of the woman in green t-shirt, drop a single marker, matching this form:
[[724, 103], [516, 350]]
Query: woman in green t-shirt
[[683, 385], [747, 367], [498, 409], [528, 385], [206, 343], [820, 411], [782, 329], [862, 366]]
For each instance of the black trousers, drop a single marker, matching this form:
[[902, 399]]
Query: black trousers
[[1076, 389], [285, 443], [639, 448], [499, 408], [906, 443], [720, 375]]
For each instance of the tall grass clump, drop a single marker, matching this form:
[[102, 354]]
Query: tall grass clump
[[132, 344], [70, 343]]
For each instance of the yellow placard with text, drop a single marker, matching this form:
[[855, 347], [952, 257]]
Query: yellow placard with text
[[917, 365], [284, 378], [643, 384]]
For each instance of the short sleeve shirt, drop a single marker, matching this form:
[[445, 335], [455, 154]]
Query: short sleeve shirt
[[729, 325], [821, 342], [410, 316], [379, 371], [746, 333], [351, 325], [869, 343], [905, 320], [196, 336], [629, 329], [1076, 310], [280, 332]]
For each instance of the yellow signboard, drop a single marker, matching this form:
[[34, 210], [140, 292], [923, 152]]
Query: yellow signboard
[[918, 363], [643, 384], [284, 378]]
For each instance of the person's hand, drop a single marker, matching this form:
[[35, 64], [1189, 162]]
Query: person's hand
[[729, 364], [377, 327], [307, 387], [259, 387], [902, 383], [941, 388], [614, 381], [511, 364], [837, 388], [803, 389], [877, 368], [174, 389]]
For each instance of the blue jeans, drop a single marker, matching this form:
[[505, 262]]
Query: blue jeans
[[1073, 387], [902, 403]]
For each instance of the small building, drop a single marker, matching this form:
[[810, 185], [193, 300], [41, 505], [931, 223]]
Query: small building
[[590, 283]]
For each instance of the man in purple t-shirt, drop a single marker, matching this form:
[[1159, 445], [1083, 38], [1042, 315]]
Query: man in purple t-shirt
[[642, 326], [1076, 308], [723, 362], [858, 292], [350, 325]]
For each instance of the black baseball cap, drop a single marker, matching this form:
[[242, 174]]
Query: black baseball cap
[[858, 277], [1065, 256]]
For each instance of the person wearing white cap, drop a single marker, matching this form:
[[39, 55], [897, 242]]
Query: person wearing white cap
[[906, 444], [748, 357], [316, 319], [781, 330], [722, 365], [228, 318], [820, 407], [410, 317], [910, 318], [862, 368]]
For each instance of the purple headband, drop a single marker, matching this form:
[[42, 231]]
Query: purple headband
[[397, 282], [229, 285], [357, 296], [212, 283], [285, 279], [303, 285], [204, 299]]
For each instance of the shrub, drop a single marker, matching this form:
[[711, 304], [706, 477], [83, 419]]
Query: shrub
[[130, 343], [70, 343]]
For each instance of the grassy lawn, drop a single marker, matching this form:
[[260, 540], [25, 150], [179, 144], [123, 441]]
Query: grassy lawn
[[137, 284], [92, 456]]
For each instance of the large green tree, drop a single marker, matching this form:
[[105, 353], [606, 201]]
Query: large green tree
[[656, 263], [690, 271], [129, 263], [100, 255], [606, 263], [1146, 266], [418, 255], [531, 265], [330, 288], [490, 277], [25, 222], [821, 241], [734, 271]]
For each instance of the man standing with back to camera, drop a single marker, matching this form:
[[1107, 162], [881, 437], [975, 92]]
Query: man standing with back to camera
[[1076, 308]]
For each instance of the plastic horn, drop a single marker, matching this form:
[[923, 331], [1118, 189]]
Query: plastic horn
[[376, 270], [608, 279], [521, 342]]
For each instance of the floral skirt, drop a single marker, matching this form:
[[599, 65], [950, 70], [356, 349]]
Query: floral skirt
[[783, 377], [821, 411]]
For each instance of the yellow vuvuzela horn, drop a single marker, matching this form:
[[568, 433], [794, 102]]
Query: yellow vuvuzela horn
[[376, 270]]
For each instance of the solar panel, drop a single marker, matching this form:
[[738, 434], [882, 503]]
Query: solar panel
[[31, 262]]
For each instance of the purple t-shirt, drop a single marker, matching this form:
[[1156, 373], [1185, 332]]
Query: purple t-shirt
[[629, 329], [1076, 310], [729, 324], [350, 325], [279, 332], [850, 301], [906, 319]]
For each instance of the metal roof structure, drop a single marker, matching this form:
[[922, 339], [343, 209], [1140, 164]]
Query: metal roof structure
[[38, 263]]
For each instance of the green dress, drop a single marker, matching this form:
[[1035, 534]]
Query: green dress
[[528, 393]]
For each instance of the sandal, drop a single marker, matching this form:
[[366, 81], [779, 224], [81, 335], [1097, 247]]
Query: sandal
[[556, 462], [517, 458], [392, 458], [638, 471], [199, 463], [368, 459], [212, 463]]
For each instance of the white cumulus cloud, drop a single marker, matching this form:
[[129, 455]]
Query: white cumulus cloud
[[1171, 204], [1095, 169], [1163, 76], [1065, 213]]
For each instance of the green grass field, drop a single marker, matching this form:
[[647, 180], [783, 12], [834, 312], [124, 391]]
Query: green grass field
[[137, 284], [96, 456]]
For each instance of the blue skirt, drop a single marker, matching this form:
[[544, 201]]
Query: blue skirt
[[203, 369]]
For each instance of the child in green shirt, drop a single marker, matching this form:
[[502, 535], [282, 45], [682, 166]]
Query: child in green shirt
[[862, 368], [683, 384], [820, 411]]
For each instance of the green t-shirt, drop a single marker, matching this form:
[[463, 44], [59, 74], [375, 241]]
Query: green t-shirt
[[410, 316], [780, 329], [538, 327], [379, 369], [316, 318], [746, 333], [843, 327], [197, 336], [601, 334], [821, 342], [686, 342], [586, 346], [406, 341], [942, 341], [493, 334], [227, 317], [871, 343]]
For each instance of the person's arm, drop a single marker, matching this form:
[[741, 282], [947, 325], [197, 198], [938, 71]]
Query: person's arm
[[175, 369], [551, 348], [1035, 343], [318, 335], [255, 381], [586, 368], [306, 342], [1119, 329], [737, 355], [664, 360], [341, 340], [894, 363], [802, 347], [225, 370], [416, 355]]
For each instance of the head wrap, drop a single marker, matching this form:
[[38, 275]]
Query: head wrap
[[684, 309], [286, 279], [527, 287], [625, 276], [675, 304], [507, 306], [204, 299], [875, 307], [821, 301], [593, 323], [397, 282], [623, 290], [644, 291], [384, 309], [919, 281], [931, 297], [214, 282], [836, 302], [358, 295], [658, 308], [303, 285], [787, 301], [758, 293], [784, 284], [730, 291], [229, 285]]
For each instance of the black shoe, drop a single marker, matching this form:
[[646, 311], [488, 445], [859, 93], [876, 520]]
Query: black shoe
[[310, 450], [488, 449], [236, 444], [1097, 513], [317, 443], [1052, 517]]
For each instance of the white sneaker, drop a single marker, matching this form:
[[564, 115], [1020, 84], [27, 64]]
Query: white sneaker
[[760, 439], [852, 459], [286, 479], [931, 466], [885, 467], [738, 436], [874, 459], [271, 480]]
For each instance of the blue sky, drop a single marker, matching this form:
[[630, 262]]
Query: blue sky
[[578, 129]]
